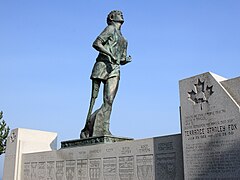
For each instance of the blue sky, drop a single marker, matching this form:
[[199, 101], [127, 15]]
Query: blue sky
[[46, 58]]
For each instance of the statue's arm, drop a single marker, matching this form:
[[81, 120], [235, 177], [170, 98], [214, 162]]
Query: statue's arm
[[126, 59], [98, 45]]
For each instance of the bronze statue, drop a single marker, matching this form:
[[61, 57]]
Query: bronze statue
[[112, 49]]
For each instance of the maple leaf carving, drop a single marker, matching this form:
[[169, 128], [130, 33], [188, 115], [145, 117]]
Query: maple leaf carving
[[200, 94]]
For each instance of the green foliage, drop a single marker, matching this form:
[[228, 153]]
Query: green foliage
[[4, 131]]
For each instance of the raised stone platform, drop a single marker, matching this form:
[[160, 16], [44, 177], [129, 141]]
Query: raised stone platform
[[157, 158], [32, 155], [93, 141]]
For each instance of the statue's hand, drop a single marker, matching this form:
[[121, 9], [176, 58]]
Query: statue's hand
[[126, 60], [129, 59]]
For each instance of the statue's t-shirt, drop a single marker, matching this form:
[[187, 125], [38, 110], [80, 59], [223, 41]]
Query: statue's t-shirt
[[114, 42]]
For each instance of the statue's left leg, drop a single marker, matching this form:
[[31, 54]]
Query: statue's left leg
[[110, 91]]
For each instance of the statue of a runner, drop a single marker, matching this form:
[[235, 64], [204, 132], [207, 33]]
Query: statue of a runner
[[112, 49]]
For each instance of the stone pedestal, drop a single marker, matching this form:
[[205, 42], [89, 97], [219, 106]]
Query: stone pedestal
[[93, 141]]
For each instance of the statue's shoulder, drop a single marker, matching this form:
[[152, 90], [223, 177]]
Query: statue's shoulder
[[109, 28]]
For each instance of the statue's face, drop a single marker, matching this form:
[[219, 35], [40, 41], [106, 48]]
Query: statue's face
[[119, 17], [115, 16]]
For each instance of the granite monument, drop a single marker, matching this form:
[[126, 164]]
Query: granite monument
[[210, 119], [207, 148]]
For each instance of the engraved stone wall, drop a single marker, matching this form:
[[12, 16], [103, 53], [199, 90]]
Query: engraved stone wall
[[42, 170], [70, 169], [145, 167], [126, 167], [110, 168], [168, 158], [60, 170], [133, 160], [34, 171], [82, 169]]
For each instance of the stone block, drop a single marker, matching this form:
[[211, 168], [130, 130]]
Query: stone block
[[23, 141], [210, 121]]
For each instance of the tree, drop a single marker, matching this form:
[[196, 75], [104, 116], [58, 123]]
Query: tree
[[4, 131]]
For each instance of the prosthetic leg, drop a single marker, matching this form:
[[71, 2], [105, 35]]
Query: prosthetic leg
[[88, 129]]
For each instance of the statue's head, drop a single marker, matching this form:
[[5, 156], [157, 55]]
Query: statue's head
[[115, 16]]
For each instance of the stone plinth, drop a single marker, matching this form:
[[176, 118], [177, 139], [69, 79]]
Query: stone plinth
[[93, 141]]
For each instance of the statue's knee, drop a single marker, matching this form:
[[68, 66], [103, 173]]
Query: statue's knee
[[108, 104]]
